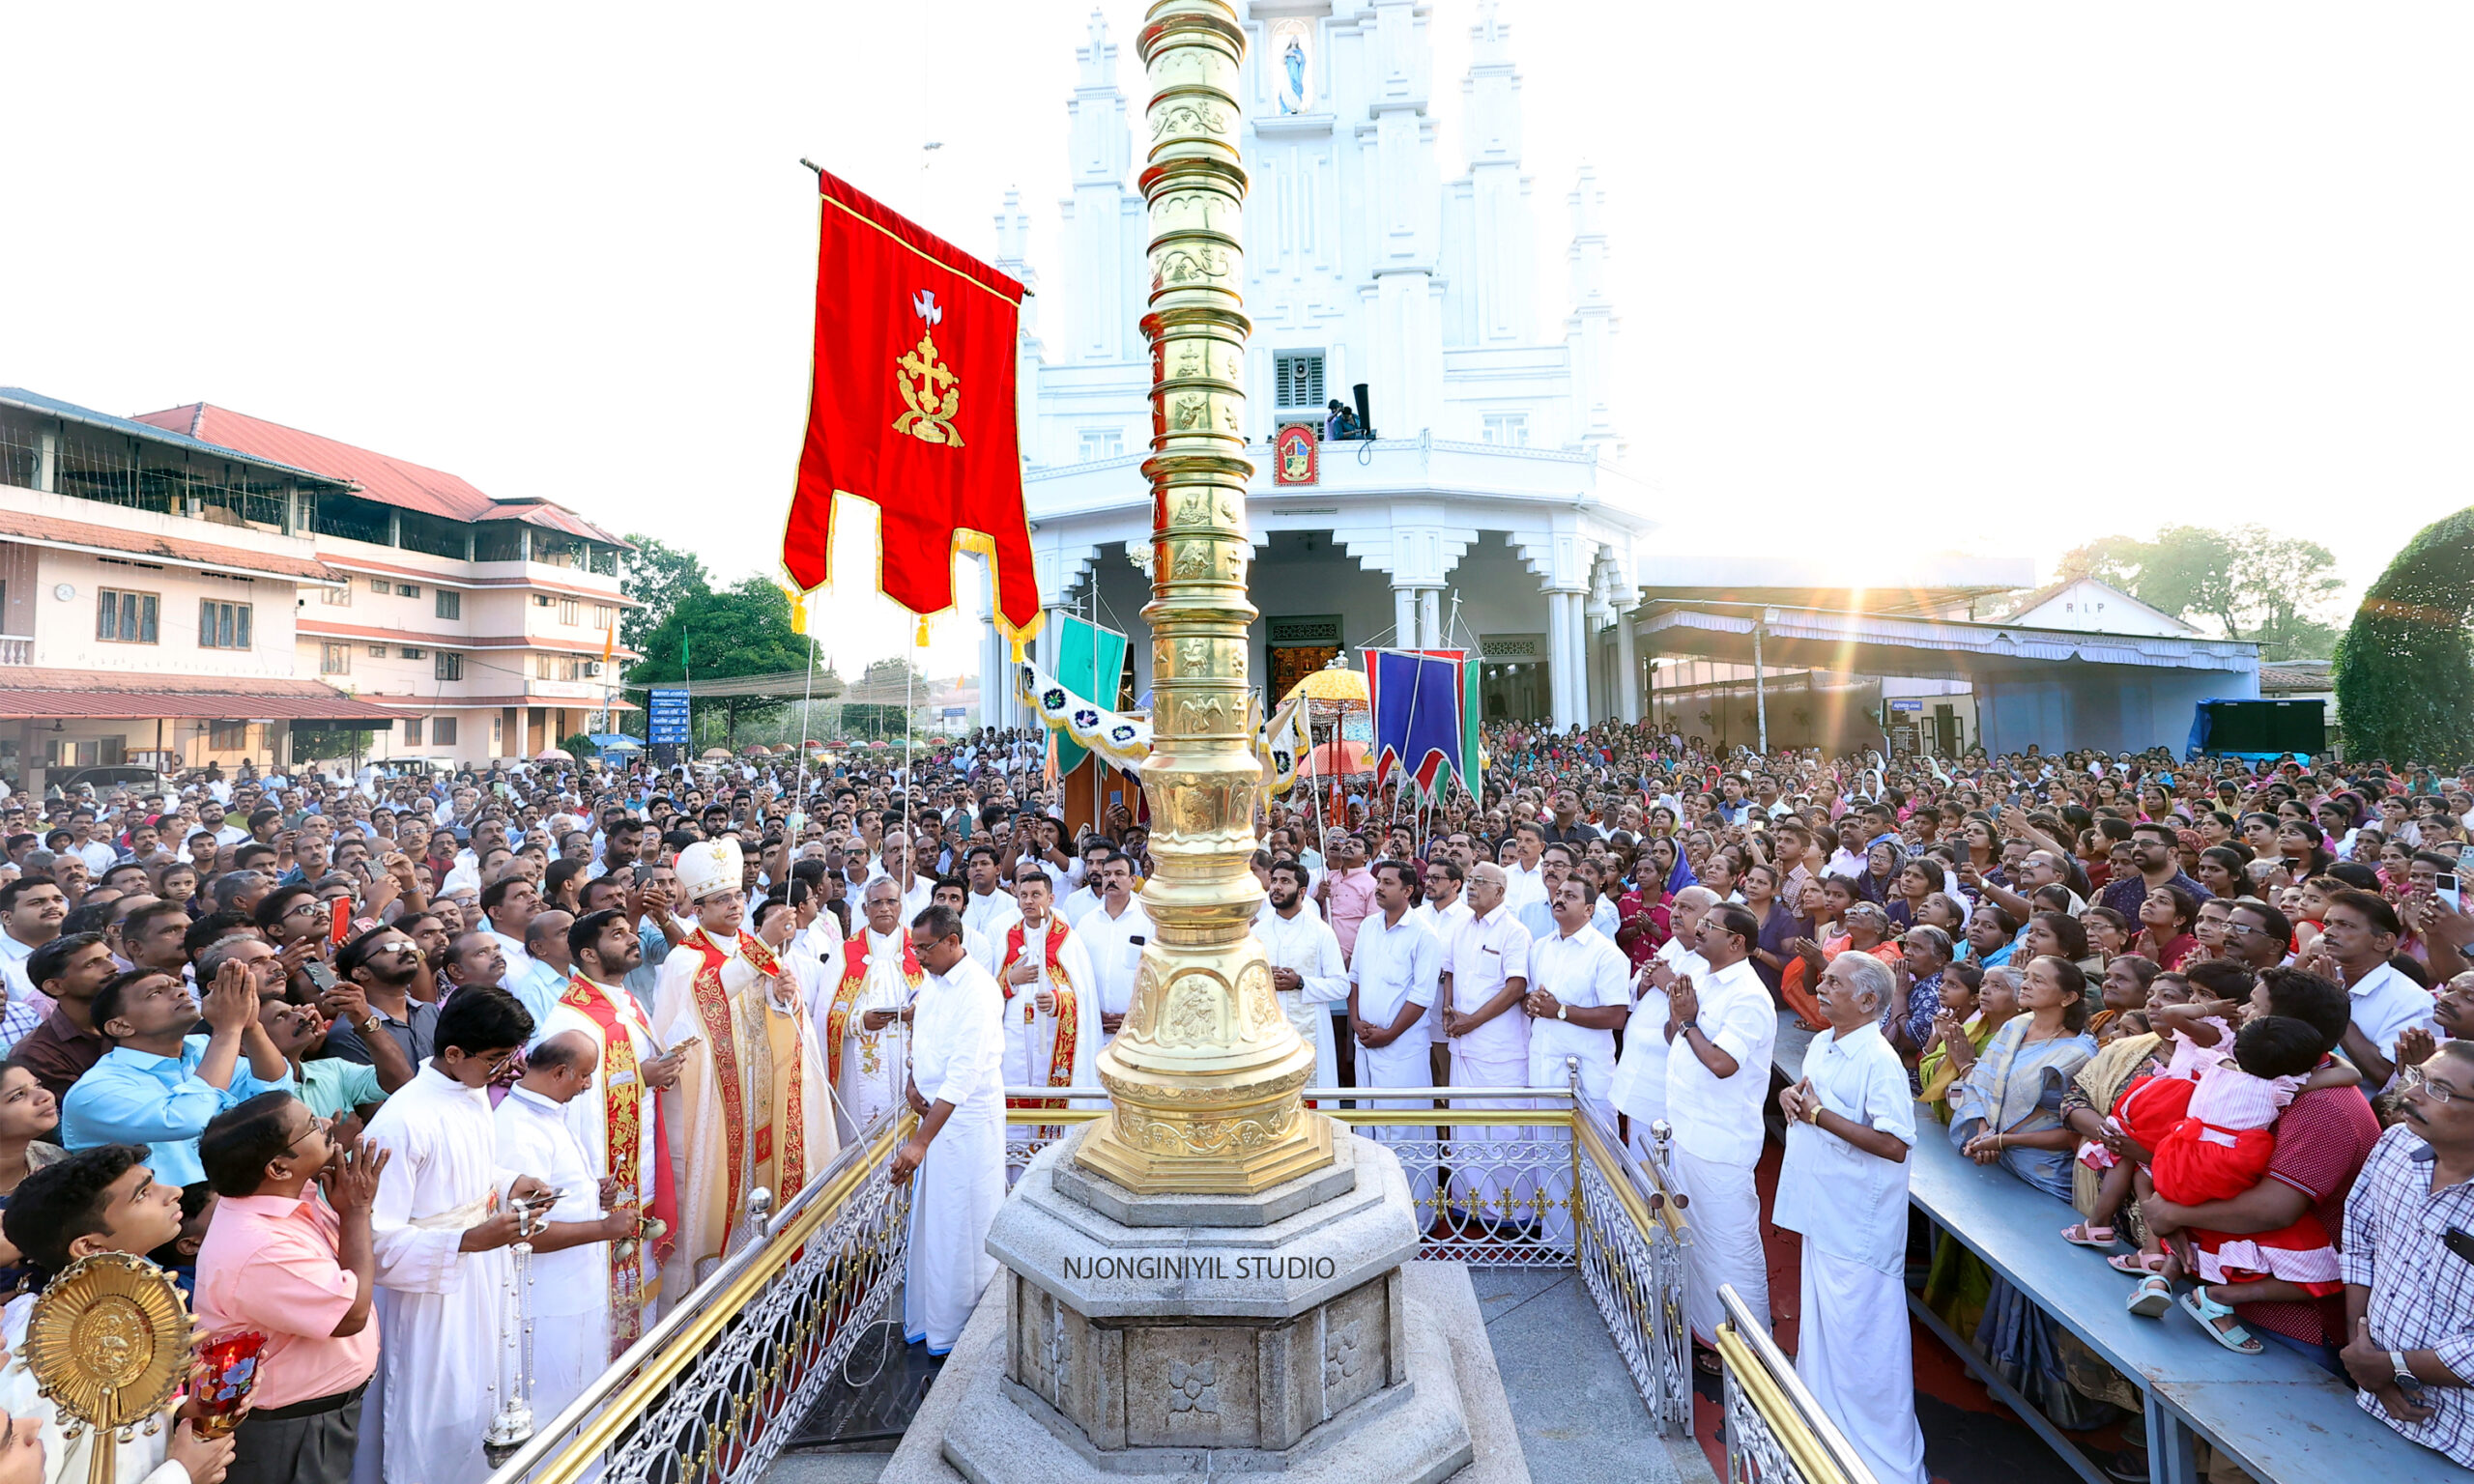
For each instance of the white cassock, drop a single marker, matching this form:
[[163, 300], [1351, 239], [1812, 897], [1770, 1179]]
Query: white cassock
[[1396, 966], [1480, 956], [1114, 945], [1307, 944], [990, 915], [615, 1083], [819, 942], [1856, 1353], [1639, 1088], [868, 1081], [568, 1297], [139, 1459], [957, 1056], [1718, 1141], [1585, 970], [437, 1308], [1033, 1038]]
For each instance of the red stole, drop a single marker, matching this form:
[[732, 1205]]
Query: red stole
[[1060, 1054], [623, 1107], [712, 1006], [854, 977]]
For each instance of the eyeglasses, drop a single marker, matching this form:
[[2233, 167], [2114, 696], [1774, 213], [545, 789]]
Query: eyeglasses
[[317, 1123], [2439, 1092]]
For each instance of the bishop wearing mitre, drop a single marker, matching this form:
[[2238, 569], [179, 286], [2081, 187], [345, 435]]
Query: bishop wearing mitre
[[1051, 1000], [863, 1025], [618, 1116], [752, 1105]]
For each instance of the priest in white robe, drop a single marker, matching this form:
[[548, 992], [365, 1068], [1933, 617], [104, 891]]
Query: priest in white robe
[[956, 1160], [1052, 1024], [1309, 974], [1392, 979], [568, 1297], [630, 1072], [1579, 996], [988, 908], [752, 1108], [1851, 1123], [857, 1021], [440, 1230]]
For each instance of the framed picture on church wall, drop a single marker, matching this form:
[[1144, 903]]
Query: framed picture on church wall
[[1295, 456]]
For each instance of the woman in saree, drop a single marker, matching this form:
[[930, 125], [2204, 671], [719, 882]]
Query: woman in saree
[[1780, 923], [1826, 903], [2006, 1110], [1643, 923]]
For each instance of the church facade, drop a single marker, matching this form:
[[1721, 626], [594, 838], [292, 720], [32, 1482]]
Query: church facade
[[1494, 509]]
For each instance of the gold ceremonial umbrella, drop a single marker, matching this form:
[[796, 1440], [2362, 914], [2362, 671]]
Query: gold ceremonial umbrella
[[108, 1343], [1332, 685]]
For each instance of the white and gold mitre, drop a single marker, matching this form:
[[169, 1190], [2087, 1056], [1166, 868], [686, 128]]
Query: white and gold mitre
[[707, 866]]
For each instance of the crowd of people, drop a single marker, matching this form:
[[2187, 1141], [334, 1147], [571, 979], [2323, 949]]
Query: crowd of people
[[326, 1046]]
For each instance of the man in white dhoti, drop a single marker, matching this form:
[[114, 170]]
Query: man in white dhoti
[[1579, 994], [1851, 1121], [568, 1297], [1113, 934], [1443, 911], [1639, 1088], [1050, 1038], [630, 1072], [753, 1104], [858, 1023], [957, 1157], [440, 1228], [1720, 1030], [1486, 973], [1392, 979], [1309, 974]]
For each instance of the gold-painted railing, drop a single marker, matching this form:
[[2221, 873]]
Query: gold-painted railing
[[1776, 1433]]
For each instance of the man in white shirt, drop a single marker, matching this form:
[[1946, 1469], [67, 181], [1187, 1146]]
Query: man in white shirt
[[1525, 879], [1851, 1123], [988, 908], [1113, 934], [1578, 998], [1486, 974], [1538, 913], [510, 903], [1309, 974], [1392, 979], [1720, 1030], [958, 1154], [2360, 935], [1639, 1088], [1443, 911]]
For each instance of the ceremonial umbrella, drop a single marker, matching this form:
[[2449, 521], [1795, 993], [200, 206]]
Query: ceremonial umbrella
[[1338, 758], [554, 754]]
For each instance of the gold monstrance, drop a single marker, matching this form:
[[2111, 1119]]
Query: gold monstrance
[[108, 1342], [1204, 1077]]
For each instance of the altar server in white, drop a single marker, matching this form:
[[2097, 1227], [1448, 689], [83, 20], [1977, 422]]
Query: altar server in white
[[1052, 1016], [956, 1157], [1308, 973], [1579, 994], [1851, 1123]]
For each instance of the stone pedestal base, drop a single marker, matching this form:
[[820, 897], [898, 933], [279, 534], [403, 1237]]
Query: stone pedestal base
[[1170, 1336]]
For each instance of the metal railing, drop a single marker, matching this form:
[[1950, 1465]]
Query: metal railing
[[1560, 1191], [1776, 1433], [712, 1392]]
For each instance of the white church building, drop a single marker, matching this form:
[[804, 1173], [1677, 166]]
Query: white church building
[[1496, 508]]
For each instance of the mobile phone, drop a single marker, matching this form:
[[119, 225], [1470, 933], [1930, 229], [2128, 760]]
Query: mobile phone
[[2459, 1242], [320, 977], [2444, 886]]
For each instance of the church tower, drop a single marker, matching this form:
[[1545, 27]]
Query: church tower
[[1489, 241], [1103, 225], [1590, 330]]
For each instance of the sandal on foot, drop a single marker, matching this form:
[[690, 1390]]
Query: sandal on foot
[[2137, 1263], [2207, 1311], [2081, 1235], [2151, 1297]]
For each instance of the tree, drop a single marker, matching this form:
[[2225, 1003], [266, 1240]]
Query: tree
[[2404, 670], [2253, 584], [742, 630], [658, 576]]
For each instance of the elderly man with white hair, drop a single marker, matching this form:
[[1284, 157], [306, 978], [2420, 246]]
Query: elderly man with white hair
[[1639, 1091], [1851, 1121]]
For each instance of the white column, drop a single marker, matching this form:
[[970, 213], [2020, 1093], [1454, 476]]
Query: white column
[[1404, 616], [1430, 619], [1563, 657], [1628, 668], [1581, 647]]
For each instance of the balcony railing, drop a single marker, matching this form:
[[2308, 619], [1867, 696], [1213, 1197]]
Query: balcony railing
[[16, 650]]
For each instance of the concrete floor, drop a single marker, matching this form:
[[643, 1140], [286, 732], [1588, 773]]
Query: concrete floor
[[1580, 1420]]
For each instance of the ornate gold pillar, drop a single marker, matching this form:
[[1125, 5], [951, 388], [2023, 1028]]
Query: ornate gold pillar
[[1204, 1075]]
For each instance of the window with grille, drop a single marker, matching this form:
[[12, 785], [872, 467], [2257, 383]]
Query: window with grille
[[1101, 443], [542, 600], [1508, 429], [337, 596], [449, 666], [570, 612], [381, 586], [412, 732], [227, 737], [125, 617], [226, 626], [335, 659], [604, 615], [414, 654], [378, 651], [450, 605], [442, 732], [408, 590], [1297, 379]]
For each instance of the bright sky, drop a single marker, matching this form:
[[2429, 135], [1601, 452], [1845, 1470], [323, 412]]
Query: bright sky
[[1987, 278]]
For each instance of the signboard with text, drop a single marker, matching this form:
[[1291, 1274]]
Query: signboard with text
[[666, 716]]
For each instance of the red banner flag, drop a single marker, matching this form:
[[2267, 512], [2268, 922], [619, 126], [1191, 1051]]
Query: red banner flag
[[911, 406]]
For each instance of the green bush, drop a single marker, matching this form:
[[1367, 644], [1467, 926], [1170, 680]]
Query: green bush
[[2404, 672]]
